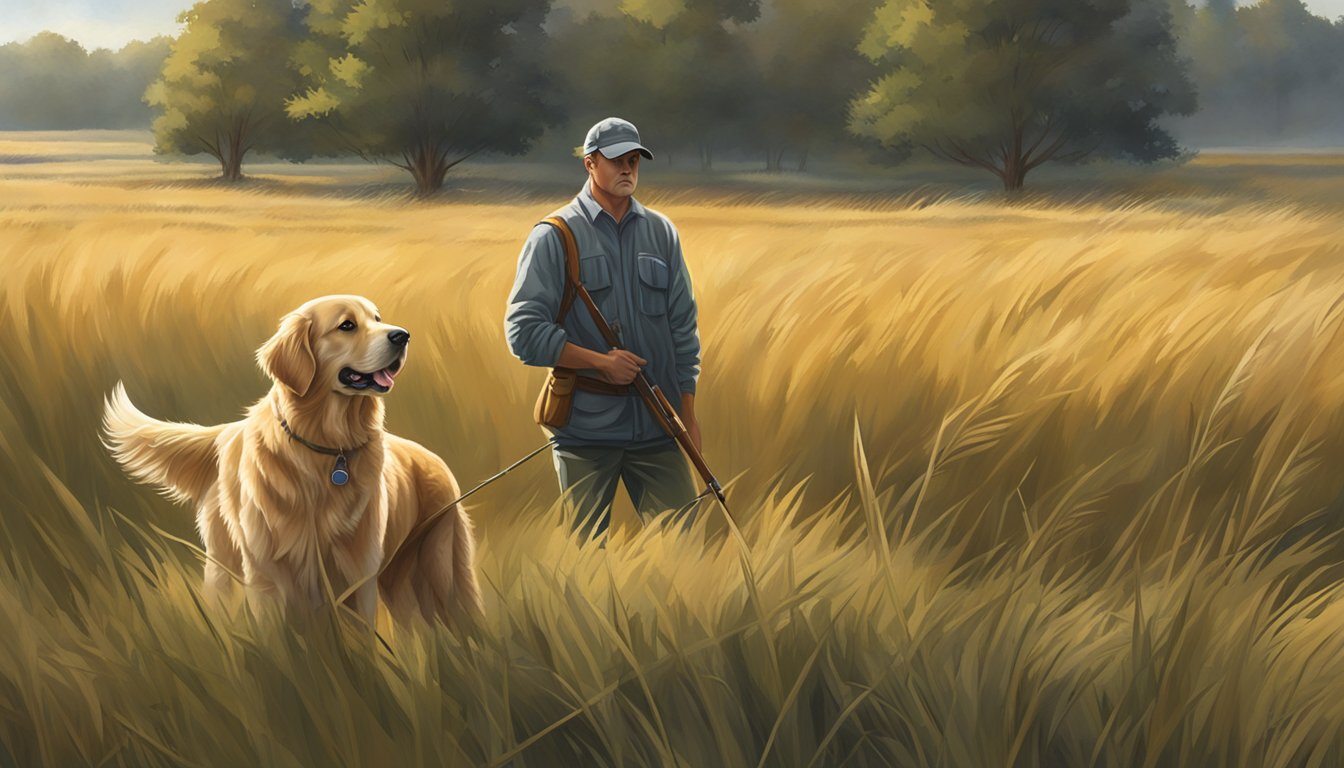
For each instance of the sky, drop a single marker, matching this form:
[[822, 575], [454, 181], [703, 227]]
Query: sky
[[112, 23], [94, 23]]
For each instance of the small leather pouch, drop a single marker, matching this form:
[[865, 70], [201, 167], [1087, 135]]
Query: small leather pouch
[[556, 399]]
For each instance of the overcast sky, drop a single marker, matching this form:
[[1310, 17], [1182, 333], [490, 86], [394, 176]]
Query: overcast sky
[[111, 23]]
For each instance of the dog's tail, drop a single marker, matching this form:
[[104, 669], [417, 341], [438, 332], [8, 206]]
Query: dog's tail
[[179, 458]]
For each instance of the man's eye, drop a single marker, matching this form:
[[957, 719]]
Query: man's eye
[[348, 325]]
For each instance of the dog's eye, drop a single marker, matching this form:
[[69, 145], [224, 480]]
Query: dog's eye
[[348, 325]]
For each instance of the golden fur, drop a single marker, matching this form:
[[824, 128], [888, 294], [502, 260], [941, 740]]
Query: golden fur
[[266, 507]]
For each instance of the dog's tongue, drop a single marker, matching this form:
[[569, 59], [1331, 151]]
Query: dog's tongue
[[383, 378]]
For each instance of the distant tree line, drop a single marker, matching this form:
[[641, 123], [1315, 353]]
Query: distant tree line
[[1000, 85], [1269, 73], [52, 83]]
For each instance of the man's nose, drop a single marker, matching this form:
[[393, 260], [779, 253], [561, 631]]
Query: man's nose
[[398, 337]]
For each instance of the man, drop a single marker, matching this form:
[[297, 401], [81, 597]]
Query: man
[[630, 261]]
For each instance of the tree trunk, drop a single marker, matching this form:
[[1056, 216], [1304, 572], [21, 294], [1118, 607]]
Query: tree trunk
[[429, 168], [774, 161], [231, 167], [1015, 164], [231, 154], [1280, 108], [1014, 174], [802, 161], [706, 158]]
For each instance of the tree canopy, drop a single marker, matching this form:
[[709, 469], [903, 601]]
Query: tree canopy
[[793, 109], [425, 85], [1007, 85], [51, 83], [1000, 85], [222, 88]]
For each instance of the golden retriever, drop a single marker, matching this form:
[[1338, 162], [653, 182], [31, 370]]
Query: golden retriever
[[278, 508]]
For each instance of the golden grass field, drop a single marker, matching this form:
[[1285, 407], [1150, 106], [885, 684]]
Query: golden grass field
[[1043, 481]]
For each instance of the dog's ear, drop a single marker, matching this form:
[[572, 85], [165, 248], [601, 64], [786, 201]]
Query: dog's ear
[[287, 357]]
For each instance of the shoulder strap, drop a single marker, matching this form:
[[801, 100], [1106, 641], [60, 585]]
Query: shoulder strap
[[573, 285], [571, 265]]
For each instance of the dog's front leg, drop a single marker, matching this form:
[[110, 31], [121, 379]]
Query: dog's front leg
[[361, 569]]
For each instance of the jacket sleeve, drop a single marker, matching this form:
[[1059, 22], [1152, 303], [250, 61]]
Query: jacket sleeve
[[681, 316], [529, 322]]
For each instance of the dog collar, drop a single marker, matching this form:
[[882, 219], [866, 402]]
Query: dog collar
[[340, 475]]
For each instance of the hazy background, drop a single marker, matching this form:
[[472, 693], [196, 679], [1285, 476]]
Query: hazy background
[[1265, 75]]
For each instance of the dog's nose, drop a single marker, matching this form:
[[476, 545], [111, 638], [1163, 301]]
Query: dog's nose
[[398, 337]]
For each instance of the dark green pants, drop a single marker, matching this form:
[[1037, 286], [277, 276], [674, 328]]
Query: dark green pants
[[657, 479]]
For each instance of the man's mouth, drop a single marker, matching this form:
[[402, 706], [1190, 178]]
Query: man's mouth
[[379, 381]]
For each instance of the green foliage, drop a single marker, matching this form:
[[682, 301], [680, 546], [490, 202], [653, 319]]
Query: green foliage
[[681, 71], [1290, 50], [52, 83], [223, 86], [1271, 72], [795, 108], [425, 85], [1007, 85]]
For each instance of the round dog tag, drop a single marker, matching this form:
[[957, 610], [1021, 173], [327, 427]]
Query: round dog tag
[[339, 475]]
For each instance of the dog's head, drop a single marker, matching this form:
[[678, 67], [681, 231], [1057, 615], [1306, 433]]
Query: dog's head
[[335, 344]]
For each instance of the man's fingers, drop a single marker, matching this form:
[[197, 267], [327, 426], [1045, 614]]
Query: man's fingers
[[629, 357]]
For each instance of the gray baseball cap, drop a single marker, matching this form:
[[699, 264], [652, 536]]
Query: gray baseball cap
[[614, 137]]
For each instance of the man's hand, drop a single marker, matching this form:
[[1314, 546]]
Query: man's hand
[[620, 366]]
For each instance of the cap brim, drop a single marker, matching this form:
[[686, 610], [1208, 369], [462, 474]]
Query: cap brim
[[616, 150]]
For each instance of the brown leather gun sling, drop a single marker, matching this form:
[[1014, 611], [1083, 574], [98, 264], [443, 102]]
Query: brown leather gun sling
[[574, 287]]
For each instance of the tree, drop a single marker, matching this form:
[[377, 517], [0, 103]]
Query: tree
[[425, 84], [811, 69], [1291, 51], [1008, 85], [45, 83], [52, 83], [121, 79], [223, 87], [676, 68]]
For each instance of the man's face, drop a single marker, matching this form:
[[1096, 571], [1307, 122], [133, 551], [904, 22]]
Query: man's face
[[617, 177]]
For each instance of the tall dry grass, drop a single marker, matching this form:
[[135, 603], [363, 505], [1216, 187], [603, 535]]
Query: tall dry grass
[[1025, 483]]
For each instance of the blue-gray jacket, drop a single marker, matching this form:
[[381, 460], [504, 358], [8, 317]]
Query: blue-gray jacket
[[637, 277]]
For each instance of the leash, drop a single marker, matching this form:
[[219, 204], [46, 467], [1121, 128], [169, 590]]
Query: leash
[[424, 525]]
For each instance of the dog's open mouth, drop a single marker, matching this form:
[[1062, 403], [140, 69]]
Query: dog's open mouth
[[379, 381]]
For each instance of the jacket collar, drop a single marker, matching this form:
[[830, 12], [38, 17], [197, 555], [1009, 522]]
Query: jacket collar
[[592, 209]]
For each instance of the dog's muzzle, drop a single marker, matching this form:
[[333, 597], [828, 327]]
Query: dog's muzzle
[[379, 381]]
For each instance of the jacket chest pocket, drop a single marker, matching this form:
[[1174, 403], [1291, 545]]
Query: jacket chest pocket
[[594, 273], [653, 282]]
